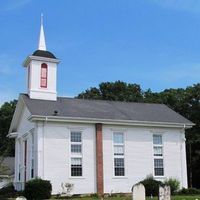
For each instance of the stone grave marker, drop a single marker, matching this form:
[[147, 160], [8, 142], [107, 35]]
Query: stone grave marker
[[138, 192], [21, 198], [164, 193]]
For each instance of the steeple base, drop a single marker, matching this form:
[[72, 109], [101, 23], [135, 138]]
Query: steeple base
[[43, 95]]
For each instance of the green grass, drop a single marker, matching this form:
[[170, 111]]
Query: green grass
[[195, 197], [130, 198]]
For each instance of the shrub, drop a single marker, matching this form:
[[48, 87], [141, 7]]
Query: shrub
[[189, 191], [8, 192], [37, 189], [151, 186], [173, 183]]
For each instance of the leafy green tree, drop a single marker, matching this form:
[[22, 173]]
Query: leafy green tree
[[6, 113], [115, 91]]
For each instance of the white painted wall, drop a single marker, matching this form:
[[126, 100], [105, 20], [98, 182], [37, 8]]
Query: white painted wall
[[54, 163], [34, 89], [139, 157]]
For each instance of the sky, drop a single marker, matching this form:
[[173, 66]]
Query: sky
[[154, 43]]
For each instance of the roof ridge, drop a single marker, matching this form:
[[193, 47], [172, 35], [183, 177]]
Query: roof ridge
[[102, 100]]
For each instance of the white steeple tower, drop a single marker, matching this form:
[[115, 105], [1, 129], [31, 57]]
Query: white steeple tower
[[42, 43], [42, 71]]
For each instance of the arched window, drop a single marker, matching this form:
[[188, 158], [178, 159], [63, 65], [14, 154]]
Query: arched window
[[43, 78]]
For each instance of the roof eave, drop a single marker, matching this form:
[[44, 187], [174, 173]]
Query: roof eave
[[12, 135], [109, 121]]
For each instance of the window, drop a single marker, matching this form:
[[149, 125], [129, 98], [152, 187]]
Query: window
[[43, 80], [19, 172], [76, 166], [75, 148], [119, 166], [76, 153], [32, 156], [75, 136], [158, 167], [118, 141], [158, 155]]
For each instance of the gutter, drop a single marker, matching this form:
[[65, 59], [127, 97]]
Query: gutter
[[108, 121]]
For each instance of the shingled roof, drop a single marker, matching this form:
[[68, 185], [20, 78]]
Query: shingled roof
[[100, 109]]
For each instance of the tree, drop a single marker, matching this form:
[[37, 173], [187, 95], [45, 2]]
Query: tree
[[6, 112], [115, 91]]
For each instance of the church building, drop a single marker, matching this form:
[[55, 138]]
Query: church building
[[98, 146]]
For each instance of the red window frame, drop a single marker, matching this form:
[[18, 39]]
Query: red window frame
[[43, 77]]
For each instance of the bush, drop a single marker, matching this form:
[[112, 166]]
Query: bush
[[189, 191], [173, 183], [8, 192], [37, 189], [151, 186]]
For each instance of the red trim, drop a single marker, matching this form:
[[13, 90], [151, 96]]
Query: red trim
[[43, 76]]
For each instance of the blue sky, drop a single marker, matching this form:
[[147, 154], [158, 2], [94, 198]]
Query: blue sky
[[155, 43]]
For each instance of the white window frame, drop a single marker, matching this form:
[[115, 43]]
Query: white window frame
[[76, 155], [119, 156], [161, 157]]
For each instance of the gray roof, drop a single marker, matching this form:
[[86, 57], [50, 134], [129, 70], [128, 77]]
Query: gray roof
[[100, 109], [7, 166]]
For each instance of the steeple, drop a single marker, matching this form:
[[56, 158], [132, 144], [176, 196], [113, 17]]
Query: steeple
[[42, 71], [42, 43]]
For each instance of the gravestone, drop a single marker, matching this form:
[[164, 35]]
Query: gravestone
[[164, 193], [21, 198], [138, 191]]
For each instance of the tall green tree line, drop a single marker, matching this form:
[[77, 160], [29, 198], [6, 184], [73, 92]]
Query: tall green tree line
[[7, 147], [184, 101]]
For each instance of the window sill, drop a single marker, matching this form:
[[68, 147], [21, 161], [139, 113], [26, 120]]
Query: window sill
[[120, 177], [159, 177], [76, 177]]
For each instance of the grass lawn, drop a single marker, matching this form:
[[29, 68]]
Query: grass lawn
[[197, 197], [130, 198]]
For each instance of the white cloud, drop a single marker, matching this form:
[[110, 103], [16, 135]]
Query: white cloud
[[10, 5], [181, 5]]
